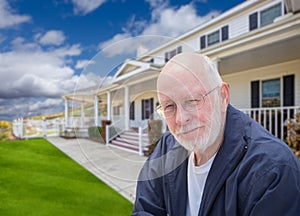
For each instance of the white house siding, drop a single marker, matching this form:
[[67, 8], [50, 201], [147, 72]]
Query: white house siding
[[239, 26], [240, 83]]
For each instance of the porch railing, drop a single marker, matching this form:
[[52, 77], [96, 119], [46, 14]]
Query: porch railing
[[118, 127], [273, 118], [24, 128], [114, 129]]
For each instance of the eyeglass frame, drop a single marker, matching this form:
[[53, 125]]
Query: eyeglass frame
[[160, 110]]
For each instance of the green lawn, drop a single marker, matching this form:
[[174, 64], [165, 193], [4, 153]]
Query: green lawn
[[38, 179]]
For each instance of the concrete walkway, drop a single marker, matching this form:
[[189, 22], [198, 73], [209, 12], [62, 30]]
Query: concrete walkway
[[117, 168]]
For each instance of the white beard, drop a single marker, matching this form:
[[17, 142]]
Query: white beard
[[211, 134]]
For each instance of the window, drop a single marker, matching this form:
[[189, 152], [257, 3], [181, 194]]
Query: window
[[225, 33], [264, 17], [213, 38], [267, 16], [147, 108], [271, 93], [203, 42], [253, 21], [221, 34], [172, 53]]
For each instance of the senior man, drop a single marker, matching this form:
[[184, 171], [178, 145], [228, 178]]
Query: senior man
[[214, 160]]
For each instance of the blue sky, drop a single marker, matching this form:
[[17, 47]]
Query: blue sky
[[45, 45]]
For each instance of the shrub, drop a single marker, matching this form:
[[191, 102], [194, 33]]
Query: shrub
[[95, 132], [154, 134], [293, 136]]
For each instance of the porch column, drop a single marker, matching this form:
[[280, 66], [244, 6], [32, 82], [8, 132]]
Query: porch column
[[82, 115], [96, 101], [216, 62], [108, 106], [66, 113], [126, 107]]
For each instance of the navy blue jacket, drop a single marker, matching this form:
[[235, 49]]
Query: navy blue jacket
[[253, 173]]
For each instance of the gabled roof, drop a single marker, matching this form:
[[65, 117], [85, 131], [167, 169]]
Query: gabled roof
[[131, 68]]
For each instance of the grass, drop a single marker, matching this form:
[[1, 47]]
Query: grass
[[38, 179]]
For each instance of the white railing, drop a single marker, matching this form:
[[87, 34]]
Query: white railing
[[113, 130], [24, 128], [273, 118]]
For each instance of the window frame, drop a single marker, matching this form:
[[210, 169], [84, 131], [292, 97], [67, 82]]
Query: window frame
[[217, 37]]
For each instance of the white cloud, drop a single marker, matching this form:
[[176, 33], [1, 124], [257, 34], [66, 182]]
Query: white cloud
[[45, 105], [86, 6], [29, 71], [21, 107], [32, 74], [173, 22], [52, 37], [8, 18], [83, 63], [165, 21]]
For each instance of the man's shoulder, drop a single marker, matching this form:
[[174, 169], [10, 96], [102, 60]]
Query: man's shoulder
[[262, 145]]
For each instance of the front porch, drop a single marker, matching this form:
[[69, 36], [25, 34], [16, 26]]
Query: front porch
[[272, 118]]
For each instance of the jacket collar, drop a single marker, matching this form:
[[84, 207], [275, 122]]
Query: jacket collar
[[227, 159]]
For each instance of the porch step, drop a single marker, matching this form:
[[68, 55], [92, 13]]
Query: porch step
[[129, 140]]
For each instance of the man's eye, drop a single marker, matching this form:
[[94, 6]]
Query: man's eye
[[193, 102], [169, 107]]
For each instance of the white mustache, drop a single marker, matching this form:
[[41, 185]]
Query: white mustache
[[186, 129]]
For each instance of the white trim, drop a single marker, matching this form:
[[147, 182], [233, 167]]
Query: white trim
[[66, 113], [96, 111], [108, 105], [126, 106]]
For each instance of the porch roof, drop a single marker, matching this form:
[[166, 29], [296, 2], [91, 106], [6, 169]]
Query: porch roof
[[132, 68], [131, 72], [273, 44]]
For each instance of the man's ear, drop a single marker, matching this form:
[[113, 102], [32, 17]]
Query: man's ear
[[224, 94]]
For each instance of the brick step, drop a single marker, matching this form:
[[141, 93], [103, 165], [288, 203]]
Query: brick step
[[129, 140], [126, 146], [133, 142]]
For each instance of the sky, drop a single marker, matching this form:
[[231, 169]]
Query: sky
[[49, 47]]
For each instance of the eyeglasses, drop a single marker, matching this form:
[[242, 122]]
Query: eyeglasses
[[168, 110]]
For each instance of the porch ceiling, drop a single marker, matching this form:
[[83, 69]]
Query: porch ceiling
[[273, 53], [80, 98]]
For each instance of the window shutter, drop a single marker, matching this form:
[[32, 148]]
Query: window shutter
[[225, 33], [152, 107], [253, 21], [166, 56], [143, 110], [179, 49], [255, 94], [289, 90], [202, 42], [131, 111]]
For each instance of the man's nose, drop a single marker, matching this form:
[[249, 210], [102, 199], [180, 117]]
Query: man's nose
[[182, 116]]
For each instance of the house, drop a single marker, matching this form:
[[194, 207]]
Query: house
[[256, 46]]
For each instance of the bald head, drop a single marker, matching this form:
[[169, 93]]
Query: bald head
[[197, 65], [187, 70]]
